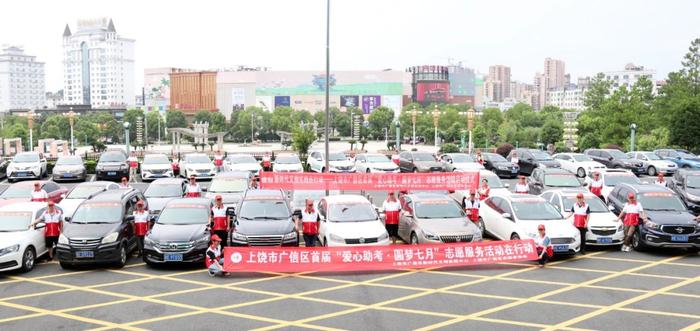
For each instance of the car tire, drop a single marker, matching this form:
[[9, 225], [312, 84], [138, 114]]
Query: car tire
[[637, 243], [325, 242], [693, 250], [65, 265], [482, 226], [514, 236], [685, 166], [651, 171], [414, 239], [581, 173], [123, 256], [415, 170], [28, 259]]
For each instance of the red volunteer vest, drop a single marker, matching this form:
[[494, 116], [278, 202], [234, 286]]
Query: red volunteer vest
[[631, 219], [218, 160], [53, 224], [193, 191], [580, 215], [483, 194], [596, 188], [220, 218], [207, 260], [309, 222], [133, 162], [391, 212], [266, 162], [473, 208], [39, 200], [141, 223], [522, 188]]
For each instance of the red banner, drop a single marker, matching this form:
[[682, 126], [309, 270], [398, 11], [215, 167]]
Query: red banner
[[298, 259], [369, 182]]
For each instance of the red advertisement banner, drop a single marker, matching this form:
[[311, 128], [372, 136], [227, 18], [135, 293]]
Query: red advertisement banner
[[369, 182], [298, 259]]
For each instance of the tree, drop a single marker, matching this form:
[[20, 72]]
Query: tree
[[680, 98], [56, 127], [202, 116], [381, 118], [449, 148], [87, 132], [552, 132], [175, 119], [302, 138], [154, 118], [217, 122], [281, 119], [597, 92]]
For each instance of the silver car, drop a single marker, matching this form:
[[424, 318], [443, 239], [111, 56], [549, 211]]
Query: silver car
[[69, 167], [429, 218]]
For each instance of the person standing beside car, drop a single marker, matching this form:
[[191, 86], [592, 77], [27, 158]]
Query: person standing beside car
[[543, 245], [521, 186], [133, 166], [39, 195], [309, 224], [220, 220], [219, 161], [581, 213], [514, 159], [52, 218], [391, 207], [266, 162], [140, 224], [485, 190], [661, 180], [629, 216], [596, 186], [471, 206], [124, 183], [193, 190]]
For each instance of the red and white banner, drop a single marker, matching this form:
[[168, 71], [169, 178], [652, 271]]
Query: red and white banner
[[369, 182], [298, 259]]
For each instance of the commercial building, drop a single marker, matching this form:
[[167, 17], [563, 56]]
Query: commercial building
[[462, 84], [98, 65], [156, 85], [540, 94], [192, 91], [497, 84], [629, 76], [430, 84], [568, 97], [21, 80]]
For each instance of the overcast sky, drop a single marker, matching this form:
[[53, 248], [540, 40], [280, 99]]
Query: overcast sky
[[590, 36]]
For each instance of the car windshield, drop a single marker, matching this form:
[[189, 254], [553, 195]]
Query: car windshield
[[423, 157], [156, 159], [684, 155], [618, 154], [581, 158], [112, 157], [287, 159], [22, 158], [337, 157], [351, 212], [494, 181], [197, 159], [69, 161], [17, 191], [594, 204], [299, 196], [561, 180], [228, 185], [242, 159], [461, 158], [541, 156], [15, 220], [98, 213], [163, 190], [693, 182], [84, 191], [181, 214], [496, 158], [652, 156], [438, 208], [613, 180], [377, 159], [262, 210], [534, 210], [661, 201]]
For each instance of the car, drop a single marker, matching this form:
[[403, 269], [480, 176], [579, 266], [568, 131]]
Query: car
[[375, 163], [419, 162], [163, 190], [156, 166], [100, 230], [429, 218], [686, 183], [578, 163], [112, 166], [459, 162], [529, 159], [26, 165], [613, 177], [616, 159], [349, 220], [337, 162], [287, 162], [69, 167], [198, 165], [604, 229], [264, 218], [4, 162], [669, 222], [230, 186], [242, 162], [180, 233], [499, 165], [21, 245], [82, 192], [298, 198], [22, 192], [495, 184], [683, 159], [653, 163], [517, 216], [544, 179]]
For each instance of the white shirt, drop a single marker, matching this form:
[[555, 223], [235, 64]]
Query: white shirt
[[40, 194], [218, 212], [522, 188], [218, 157], [124, 186], [391, 205], [309, 217], [140, 217], [468, 204], [47, 217], [597, 183], [580, 210], [193, 188], [664, 183], [542, 241], [514, 160], [633, 209]]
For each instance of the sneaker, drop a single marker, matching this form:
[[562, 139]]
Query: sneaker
[[211, 274], [623, 248]]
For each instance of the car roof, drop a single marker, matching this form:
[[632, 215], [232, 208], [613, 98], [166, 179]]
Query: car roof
[[286, 154], [428, 196], [556, 171], [264, 194], [233, 174], [70, 157], [166, 181], [113, 195], [519, 197], [645, 188], [346, 198], [455, 154], [194, 201], [202, 154], [25, 206], [373, 154], [239, 154]]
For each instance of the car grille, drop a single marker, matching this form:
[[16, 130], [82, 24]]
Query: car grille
[[84, 243], [360, 241], [202, 171], [159, 171], [174, 246], [344, 168], [603, 231], [265, 240], [673, 229], [436, 169], [559, 241], [457, 238]]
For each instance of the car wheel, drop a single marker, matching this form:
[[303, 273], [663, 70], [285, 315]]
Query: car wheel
[[482, 227], [414, 239], [368, 171], [122, 256], [637, 242], [65, 265], [693, 250], [514, 236], [581, 172], [685, 166], [325, 242], [323, 170], [415, 170], [28, 259], [651, 171]]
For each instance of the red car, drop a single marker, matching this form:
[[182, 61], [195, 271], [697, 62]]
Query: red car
[[20, 192]]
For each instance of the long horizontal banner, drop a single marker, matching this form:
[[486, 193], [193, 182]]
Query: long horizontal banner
[[298, 259], [371, 181]]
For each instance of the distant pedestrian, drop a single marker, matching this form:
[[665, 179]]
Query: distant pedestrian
[[133, 166], [596, 186], [392, 207], [140, 224], [479, 158], [254, 183], [309, 224], [485, 190], [514, 158], [661, 180], [267, 162], [214, 259], [581, 213], [629, 216], [544, 246], [193, 190], [219, 161], [52, 218], [39, 195], [522, 187], [124, 183]]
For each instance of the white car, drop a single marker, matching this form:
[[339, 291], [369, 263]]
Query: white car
[[654, 164], [26, 165], [375, 163], [495, 183], [612, 177], [230, 186], [162, 191], [577, 163], [198, 165], [21, 246], [242, 162], [348, 220], [337, 162], [287, 162], [512, 217], [82, 192], [156, 166], [603, 226], [459, 162]]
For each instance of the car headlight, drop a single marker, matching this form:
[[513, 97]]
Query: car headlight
[[652, 225], [290, 236], [532, 235], [189, 169], [62, 239], [123, 166], [238, 236], [110, 238], [542, 165], [384, 236], [203, 240], [336, 238], [620, 228], [502, 168], [8, 250], [430, 236]]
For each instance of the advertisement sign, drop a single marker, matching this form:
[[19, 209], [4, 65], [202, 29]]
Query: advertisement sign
[[369, 102], [369, 182], [299, 259], [392, 102], [265, 102], [238, 98], [282, 101], [432, 92], [349, 101]]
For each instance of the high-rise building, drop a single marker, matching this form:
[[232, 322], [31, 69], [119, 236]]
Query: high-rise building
[[98, 65], [540, 95], [555, 73], [629, 76], [497, 85], [21, 80]]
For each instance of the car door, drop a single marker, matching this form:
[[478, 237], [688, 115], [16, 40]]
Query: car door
[[498, 226], [507, 225], [406, 219], [564, 161], [405, 160], [491, 215], [37, 235], [528, 161], [127, 228], [323, 224], [360, 163], [536, 181]]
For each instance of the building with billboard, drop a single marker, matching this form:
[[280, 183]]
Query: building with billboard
[[462, 84], [156, 84], [430, 84], [192, 91]]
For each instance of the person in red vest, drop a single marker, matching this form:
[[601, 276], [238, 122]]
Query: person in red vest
[[220, 221], [629, 216], [521, 187], [471, 206], [267, 161], [213, 258], [582, 214], [309, 224], [219, 161], [52, 217], [544, 246], [124, 183], [133, 166], [485, 190], [193, 190], [596, 186], [392, 207], [39, 195], [140, 224]]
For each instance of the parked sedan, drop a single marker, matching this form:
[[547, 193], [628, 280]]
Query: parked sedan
[[499, 165], [653, 163], [348, 220], [82, 192], [375, 163], [69, 167], [578, 163], [529, 159], [287, 162], [264, 218], [242, 162], [337, 162], [686, 183], [163, 190], [459, 162], [230, 186], [21, 246], [419, 162], [616, 159], [544, 179], [682, 159], [26, 165], [156, 166], [22, 192], [429, 218], [198, 165], [112, 165]]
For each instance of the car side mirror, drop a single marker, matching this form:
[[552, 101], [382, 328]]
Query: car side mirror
[[506, 185], [129, 218], [507, 216], [204, 189], [67, 219], [610, 158]]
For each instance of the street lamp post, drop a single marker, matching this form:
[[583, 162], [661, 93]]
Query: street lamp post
[[252, 127], [398, 136], [470, 126], [126, 137], [30, 124], [436, 117], [328, 86], [414, 113], [71, 120], [633, 129]]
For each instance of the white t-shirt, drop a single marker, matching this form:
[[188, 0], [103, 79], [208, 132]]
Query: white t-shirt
[[391, 205], [40, 194], [633, 209], [664, 183], [309, 217], [597, 183], [140, 217], [218, 212], [522, 188], [193, 188]]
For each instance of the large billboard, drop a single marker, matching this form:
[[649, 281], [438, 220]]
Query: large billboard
[[369, 102], [341, 83], [350, 101], [238, 98], [427, 92], [282, 101], [156, 84]]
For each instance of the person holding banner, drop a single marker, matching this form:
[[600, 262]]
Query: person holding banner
[[219, 161], [485, 190], [133, 166], [544, 246], [193, 190], [267, 162], [630, 219], [214, 259], [52, 217], [521, 187], [581, 213], [391, 207], [140, 225], [471, 206], [220, 220], [596, 186], [39, 195], [309, 223]]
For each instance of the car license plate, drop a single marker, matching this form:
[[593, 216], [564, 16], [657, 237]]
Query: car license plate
[[514, 170], [84, 254], [679, 238], [172, 257], [111, 173], [604, 240], [21, 174], [561, 248], [67, 175]]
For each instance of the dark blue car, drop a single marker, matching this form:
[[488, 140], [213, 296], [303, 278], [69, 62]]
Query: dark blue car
[[683, 158]]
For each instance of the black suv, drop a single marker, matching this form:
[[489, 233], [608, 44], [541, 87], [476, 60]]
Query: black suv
[[545, 179], [100, 230], [499, 165], [112, 165], [264, 218], [686, 183], [616, 159], [670, 224], [529, 159]]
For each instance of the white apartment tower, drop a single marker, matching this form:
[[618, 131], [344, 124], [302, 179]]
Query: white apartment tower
[[98, 65], [21, 80]]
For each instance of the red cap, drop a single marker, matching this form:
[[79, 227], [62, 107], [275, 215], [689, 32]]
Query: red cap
[[218, 197], [215, 238], [404, 191], [51, 203], [580, 195], [391, 192], [124, 178], [540, 227], [140, 203], [631, 196], [472, 192], [36, 184], [521, 177], [596, 173]]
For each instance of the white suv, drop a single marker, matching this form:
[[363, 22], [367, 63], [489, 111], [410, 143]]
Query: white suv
[[337, 162], [348, 220], [198, 165], [27, 165]]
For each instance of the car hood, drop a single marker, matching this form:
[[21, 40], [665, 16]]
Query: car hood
[[111, 164], [265, 227], [502, 164], [343, 163], [670, 217], [602, 219], [382, 165], [467, 166], [591, 164], [228, 198], [632, 162], [662, 163], [62, 168], [549, 163], [208, 166], [158, 203], [5, 202], [369, 229], [427, 164], [185, 232], [161, 166], [287, 166], [12, 238], [693, 191], [448, 226], [88, 231], [245, 167], [555, 228], [69, 206], [24, 164]]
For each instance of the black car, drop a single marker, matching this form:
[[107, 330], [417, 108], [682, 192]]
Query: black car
[[100, 230], [616, 159], [545, 179], [264, 218], [499, 165], [112, 165], [529, 159], [686, 183], [670, 224], [180, 233], [3, 167]]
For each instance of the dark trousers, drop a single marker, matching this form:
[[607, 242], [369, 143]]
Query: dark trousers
[[583, 231], [223, 234], [542, 260], [139, 243], [309, 240]]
